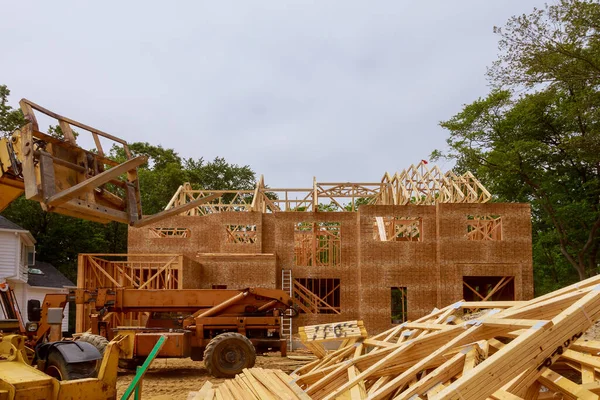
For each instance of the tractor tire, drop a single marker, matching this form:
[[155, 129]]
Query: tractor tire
[[58, 368], [228, 354], [99, 342]]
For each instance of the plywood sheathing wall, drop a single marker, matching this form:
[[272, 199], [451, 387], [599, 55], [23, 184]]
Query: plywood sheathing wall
[[410, 264], [458, 257], [278, 238], [431, 269]]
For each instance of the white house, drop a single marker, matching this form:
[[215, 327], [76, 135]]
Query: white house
[[30, 279]]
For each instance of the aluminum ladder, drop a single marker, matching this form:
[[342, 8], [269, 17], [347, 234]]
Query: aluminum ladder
[[286, 323]]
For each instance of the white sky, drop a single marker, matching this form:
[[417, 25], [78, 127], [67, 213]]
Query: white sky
[[340, 90]]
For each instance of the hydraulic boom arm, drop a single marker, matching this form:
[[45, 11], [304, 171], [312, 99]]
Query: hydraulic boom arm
[[68, 179]]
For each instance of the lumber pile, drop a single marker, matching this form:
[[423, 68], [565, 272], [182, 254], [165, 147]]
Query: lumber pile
[[253, 384], [510, 350], [347, 333]]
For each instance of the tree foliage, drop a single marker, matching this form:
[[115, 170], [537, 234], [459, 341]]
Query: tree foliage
[[10, 119], [61, 238], [536, 137]]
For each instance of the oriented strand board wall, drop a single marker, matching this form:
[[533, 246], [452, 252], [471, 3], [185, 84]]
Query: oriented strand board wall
[[278, 238], [511, 256], [384, 265], [237, 271], [430, 269]]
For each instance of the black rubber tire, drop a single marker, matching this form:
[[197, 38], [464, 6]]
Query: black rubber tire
[[99, 342], [228, 354], [58, 368]]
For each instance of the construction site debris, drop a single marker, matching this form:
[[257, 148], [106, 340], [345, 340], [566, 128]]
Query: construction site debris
[[512, 350]]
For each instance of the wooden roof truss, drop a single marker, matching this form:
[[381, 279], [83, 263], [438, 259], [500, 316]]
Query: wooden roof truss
[[418, 184], [515, 350]]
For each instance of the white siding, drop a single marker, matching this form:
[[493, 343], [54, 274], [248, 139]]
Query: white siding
[[23, 269], [10, 248]]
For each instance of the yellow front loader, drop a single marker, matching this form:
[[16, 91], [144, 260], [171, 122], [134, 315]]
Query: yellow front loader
[[19, 380]]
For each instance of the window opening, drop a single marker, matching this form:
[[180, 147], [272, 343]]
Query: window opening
[[317, 244], [484, 227], [397, 229], [399, 305], [317, 295], [488, 288], [170, 232], [241, 233]]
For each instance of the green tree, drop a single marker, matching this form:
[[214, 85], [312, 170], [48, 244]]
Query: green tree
[[10, 119], [535, 138]]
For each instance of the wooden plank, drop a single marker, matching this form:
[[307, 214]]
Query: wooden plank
[[28, 164], [559, 383], [28, 105], [262, 392], [441, 374], [539, 341], [147, 220], [504, 395], [67, 131]]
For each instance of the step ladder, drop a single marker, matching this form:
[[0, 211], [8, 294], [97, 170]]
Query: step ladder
[[286, 323]]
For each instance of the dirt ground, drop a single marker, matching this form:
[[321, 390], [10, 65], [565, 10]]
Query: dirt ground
[[174, 378]]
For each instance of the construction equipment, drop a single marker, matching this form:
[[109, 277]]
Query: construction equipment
[[70, 180], [31, 366], [225, 328], [20, 380], [61, 369], [41, 337]]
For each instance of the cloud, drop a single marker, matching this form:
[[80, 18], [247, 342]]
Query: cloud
[[343, 90]]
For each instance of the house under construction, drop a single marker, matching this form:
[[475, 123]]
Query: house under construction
[[381, 252]]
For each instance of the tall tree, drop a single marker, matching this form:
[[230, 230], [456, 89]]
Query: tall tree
[[536, 136]]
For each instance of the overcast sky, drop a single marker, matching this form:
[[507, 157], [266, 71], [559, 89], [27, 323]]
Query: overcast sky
[[340, 90]]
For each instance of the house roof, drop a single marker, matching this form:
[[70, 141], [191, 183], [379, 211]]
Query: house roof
[[7, 224], [50, 277]]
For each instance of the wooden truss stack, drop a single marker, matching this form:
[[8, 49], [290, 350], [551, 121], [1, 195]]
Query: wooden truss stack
[[511, 350], [422, 185], [416, 185]]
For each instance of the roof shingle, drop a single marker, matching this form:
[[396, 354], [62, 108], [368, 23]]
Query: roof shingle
[[51, 276], [8, 224]]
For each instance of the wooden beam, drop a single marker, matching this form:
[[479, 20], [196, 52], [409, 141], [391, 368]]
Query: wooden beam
[[174, 211], [28, 105]]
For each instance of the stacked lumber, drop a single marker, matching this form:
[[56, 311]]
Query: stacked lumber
[[347, 333], [253, 384], [510, 350]]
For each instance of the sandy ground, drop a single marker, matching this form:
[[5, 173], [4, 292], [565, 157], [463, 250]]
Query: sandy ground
[[174, 378]]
